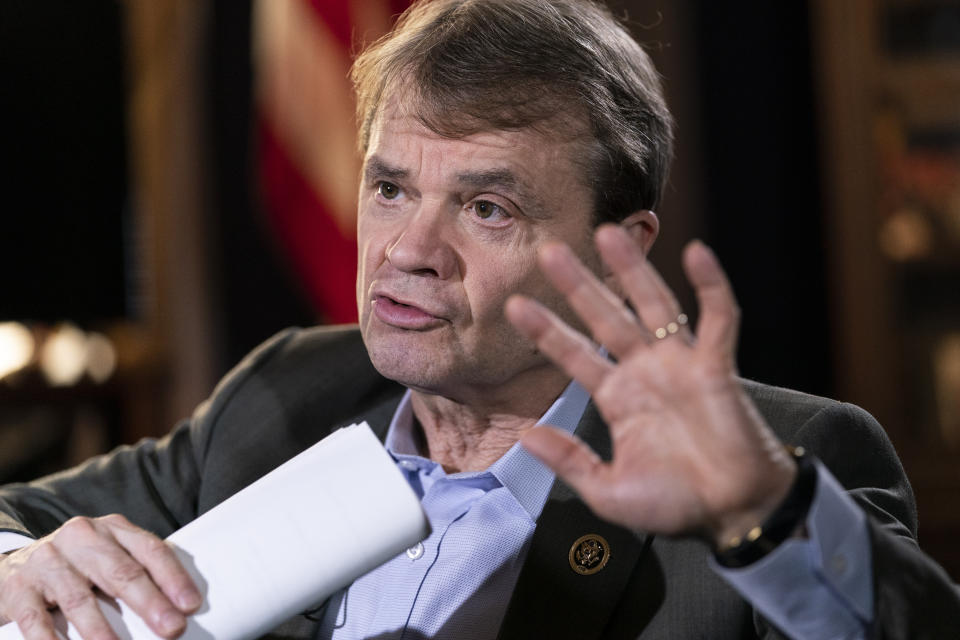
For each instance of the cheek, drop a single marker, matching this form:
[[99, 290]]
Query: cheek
[[494, 279], [372, 239], [370, 252]]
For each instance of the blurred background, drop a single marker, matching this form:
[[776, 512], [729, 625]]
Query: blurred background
[[177, 183]]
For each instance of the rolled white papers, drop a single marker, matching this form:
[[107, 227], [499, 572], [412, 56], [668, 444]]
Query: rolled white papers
[[288, 541]]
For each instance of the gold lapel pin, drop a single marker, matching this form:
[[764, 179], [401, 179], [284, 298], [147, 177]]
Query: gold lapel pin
[[589, 554]]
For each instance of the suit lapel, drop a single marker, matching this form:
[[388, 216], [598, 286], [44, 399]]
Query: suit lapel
[[551, 599], [380, 415]]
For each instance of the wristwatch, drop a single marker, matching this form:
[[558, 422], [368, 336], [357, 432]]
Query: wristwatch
[[787, 518]]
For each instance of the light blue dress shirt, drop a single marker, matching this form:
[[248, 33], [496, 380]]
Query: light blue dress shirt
[[456, 584]]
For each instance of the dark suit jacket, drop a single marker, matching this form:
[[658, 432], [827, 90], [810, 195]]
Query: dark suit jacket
[[302, 384]]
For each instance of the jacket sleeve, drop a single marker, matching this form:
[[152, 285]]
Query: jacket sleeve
[[912, 596], [154, 483]]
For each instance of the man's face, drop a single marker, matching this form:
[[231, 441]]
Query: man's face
[[447, 230]]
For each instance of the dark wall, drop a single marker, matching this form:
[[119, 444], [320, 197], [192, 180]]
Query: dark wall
[[762, 184], [257, 290], [63, 171]]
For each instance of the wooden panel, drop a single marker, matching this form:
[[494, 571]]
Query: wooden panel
[[165, 38], [891, 312]]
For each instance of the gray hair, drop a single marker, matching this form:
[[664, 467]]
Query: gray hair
[[479, 65]]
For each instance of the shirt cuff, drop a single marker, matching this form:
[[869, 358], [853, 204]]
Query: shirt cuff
[[820, 586], [10, 541]]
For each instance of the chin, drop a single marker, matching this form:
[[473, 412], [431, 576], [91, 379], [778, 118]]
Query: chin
[[400, 361], [414, 375]]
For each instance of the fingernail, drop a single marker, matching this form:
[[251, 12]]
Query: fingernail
[[188, 600], [171, 622]]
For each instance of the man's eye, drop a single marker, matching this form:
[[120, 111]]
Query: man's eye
[[486, 209], [388, 190]]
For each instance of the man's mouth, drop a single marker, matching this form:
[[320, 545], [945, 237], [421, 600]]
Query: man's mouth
[[402, 314]]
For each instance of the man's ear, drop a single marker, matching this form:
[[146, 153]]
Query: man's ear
[[643, 226]]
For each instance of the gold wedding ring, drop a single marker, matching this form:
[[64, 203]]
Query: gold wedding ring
[[671, 327]]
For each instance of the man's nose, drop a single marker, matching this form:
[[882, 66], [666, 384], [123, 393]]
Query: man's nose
[[423, 245]]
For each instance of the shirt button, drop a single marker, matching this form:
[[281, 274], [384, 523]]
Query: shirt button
[[415, 552], [409, 465]]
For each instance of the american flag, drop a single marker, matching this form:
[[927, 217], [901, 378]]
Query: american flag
[[308, 161]]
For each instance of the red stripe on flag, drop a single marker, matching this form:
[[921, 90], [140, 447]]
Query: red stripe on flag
[[323, 257], [336, 15]]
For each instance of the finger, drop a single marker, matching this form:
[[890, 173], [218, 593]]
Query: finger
[[568, 349], [719, 320], [569, 457], [42, 578], [95, 553], [609, 320], [163, 565], [652, 299], [29, 611], [75, 598]]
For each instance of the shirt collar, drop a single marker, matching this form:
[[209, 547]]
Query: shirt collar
[[528, 479]]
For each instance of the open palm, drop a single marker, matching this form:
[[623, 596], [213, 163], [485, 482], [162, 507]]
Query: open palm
[[691, 454]]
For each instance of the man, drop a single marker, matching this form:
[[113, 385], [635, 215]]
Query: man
[[496, 136]]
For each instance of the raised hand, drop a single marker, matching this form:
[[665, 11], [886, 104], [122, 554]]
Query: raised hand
[[63, 569], [691, 454]]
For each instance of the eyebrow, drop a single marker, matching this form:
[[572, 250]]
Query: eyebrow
[[377, 168], [505, 179], [489, 178]]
